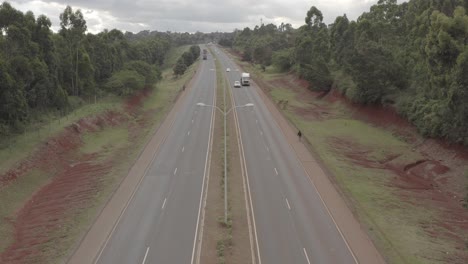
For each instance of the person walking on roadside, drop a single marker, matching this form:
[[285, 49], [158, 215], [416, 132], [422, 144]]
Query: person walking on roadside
[[299, 134]]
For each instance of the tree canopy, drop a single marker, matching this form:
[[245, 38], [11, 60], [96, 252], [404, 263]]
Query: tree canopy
[[40, 69], [412, 56]]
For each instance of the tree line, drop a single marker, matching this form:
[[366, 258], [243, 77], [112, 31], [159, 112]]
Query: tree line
[[43, 71], [186, 59], [412, 56]]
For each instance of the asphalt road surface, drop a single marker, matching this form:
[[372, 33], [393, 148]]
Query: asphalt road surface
[[292, 224], [161, 223]]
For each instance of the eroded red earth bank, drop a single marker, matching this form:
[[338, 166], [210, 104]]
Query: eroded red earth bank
[[77, 179]]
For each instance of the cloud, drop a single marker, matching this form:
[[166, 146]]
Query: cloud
[[189, 15]]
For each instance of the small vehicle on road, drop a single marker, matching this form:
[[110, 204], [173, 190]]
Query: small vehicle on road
[[237, 84], [228, 69]]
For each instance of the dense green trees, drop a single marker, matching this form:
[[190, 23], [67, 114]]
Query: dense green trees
[[40, 69], [187, 59], [411, 55]]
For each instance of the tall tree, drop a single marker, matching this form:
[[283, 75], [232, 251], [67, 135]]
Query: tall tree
[[73, 27]]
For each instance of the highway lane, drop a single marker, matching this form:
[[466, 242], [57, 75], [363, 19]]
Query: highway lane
[[160, 224], [292, 224]]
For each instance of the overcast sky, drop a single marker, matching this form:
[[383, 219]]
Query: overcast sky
[[189, 15]]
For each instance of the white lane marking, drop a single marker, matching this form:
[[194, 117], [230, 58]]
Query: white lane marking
[[276, 171], [175, 171], [206, 177], [188, 133], [256, 121], [132, 195], [331, 216], [261, 133], [183, 148], [164, 204], [146, 255], [287, 202], [307, 256], [268, 149], [192, 121]]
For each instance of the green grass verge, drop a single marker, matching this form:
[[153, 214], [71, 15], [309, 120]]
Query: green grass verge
[[14, 197], [286, 95], [21, 146], [104, 141], [174, 55]]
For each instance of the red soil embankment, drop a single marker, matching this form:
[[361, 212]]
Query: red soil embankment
[[77, 179]]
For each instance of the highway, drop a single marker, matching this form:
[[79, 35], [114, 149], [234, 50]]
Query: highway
[[162, 221], [292, 224]]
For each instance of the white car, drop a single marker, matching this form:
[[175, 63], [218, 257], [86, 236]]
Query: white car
[[237, 84], [228, 69]]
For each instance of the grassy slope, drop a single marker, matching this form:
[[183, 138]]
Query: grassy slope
[[21, 146], [393, 224]]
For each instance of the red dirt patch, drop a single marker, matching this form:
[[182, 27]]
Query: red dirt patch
[[423, 183], [134, 102], [77, 180], [35, 224]]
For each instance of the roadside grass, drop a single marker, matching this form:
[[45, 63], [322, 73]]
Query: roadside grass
[[104, 141], [393, 223], [79, 219], [173, 56], [20, 146], [15, 196], [170, 85], [281, 95]]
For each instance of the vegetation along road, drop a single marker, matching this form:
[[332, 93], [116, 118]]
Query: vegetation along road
[[314, 141]]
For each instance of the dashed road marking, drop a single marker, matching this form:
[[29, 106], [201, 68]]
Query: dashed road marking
[[276, 171], [287, 202], [183, 148], [188, 133], [146, 255], [164, 204], [175, 171], [307, 257]]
